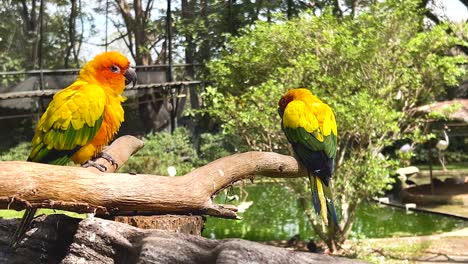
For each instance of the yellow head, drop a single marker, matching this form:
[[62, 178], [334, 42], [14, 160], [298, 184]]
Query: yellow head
[[301, 94], [109, 69]]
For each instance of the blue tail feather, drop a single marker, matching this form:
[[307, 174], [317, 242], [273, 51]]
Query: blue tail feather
[[332, 211], [315, 198]]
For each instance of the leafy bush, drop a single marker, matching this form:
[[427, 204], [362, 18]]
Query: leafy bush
[[164, 149], [19, 152], [161, 151], [212, 147]]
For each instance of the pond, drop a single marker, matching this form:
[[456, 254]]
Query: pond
[[276, 215]]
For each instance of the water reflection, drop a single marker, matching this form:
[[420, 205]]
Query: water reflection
[[275, 215]]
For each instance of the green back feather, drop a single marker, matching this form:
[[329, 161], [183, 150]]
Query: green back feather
[[57, 146]]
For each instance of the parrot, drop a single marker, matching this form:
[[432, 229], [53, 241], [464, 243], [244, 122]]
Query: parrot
[[310, 127], [81, 119]]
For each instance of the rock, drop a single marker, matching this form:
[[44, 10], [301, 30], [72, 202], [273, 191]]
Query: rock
[[408, 170]]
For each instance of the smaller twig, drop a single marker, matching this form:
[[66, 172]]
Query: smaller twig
[[221, 211], [119, 153], [15, 200]]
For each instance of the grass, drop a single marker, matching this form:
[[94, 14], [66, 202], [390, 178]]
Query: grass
[[7, 214], [449, 166], [444, 248], [388, 251]]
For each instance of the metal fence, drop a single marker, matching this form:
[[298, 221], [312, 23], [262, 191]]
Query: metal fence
[[25, 95]]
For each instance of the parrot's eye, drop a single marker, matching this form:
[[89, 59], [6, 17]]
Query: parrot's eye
[[115, 69], [282, 102]]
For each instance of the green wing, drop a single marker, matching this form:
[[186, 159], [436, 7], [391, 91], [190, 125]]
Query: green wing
[[314, 130], [71, 120]]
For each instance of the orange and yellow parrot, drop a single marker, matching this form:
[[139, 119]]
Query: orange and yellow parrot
[[81, 119], [310, 127]]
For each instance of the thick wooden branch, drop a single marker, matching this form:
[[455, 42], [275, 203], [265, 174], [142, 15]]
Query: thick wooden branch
[[78, 189]]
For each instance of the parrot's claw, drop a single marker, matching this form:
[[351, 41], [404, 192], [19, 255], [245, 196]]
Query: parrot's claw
[[108, 158], [90, 215], [94, 164]]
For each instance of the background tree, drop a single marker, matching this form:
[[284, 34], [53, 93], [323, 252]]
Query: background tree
[[142, 32], [21, 33]]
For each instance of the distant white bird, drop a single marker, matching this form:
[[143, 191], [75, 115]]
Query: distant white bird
[[243, 206], [405, 148], [441, 146], [232, 197], [172, 171]]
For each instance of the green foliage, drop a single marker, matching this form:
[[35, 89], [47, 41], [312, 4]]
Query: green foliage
[[212, 147], [161, 151], [20, 34], [444, 113], [164, 149], [206, 26], [19, 152], [363, 175], [248, 121], [371, 69]]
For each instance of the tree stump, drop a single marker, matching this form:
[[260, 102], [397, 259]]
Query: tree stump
[[186, 224]]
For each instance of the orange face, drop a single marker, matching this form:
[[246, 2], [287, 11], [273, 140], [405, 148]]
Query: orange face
[[110, 69]]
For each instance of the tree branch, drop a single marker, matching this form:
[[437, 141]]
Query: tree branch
[[26, 184], [464, 2], [434, 18]]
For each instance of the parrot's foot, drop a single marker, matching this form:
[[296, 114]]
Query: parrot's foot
[[108, 158], [94, 164], [90, 215]]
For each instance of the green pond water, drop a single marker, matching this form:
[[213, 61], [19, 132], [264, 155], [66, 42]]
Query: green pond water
[[275, 215]]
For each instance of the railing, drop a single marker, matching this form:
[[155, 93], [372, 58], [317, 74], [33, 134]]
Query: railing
[[46, 83], [50, 92]]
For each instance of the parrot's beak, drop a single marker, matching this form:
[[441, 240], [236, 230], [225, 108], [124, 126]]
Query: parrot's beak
[[281, 111], [130, 77]]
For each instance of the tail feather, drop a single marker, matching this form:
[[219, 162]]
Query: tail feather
[[315, 197], [23, 227], [322, 200], [330, 205]]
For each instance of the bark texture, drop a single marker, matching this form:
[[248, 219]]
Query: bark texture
[[186, 224], [61, 239]]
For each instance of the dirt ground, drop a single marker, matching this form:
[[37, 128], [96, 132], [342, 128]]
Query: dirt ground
[[450, 247]]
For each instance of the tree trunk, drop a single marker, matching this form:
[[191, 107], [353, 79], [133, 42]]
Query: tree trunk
[[188, 9], [290, 9], [30, 29], [71, 35], [150, 106], [186, 224]]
